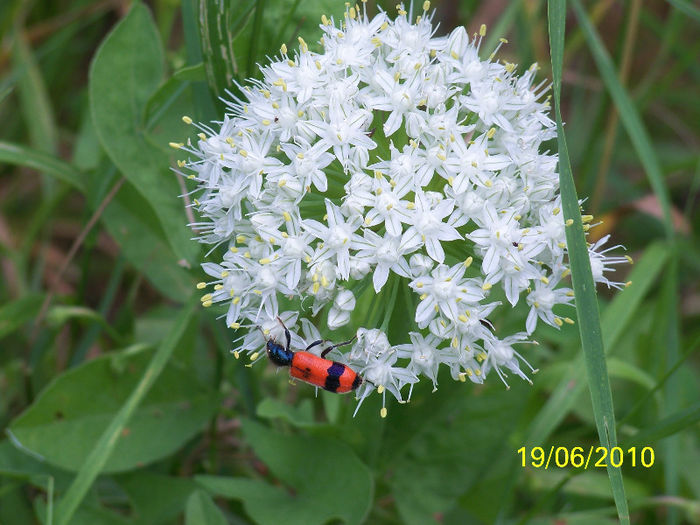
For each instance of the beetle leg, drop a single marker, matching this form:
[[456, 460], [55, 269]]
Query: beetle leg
[[323, 354]]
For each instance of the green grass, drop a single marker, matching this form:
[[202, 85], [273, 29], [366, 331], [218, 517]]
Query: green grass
[[120, 401]]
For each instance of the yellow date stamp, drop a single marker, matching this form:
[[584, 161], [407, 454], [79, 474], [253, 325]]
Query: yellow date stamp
[[585, 457]]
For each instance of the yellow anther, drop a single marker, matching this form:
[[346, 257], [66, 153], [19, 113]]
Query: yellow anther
[[304, 47], [510, 67], [186, 119], [569, 222], [316, 287], [463, 377], [264, 260], [490, 133], [236, 300], [482, 30], [628, 283], [352, 13], [586, 218], [384, 26], [558, 321], [569, 320], [218, 286], [207, 304], [468, 262], [376, 41], [423, 296], [176, 145], [629, 259], [411, 205], [486, 286], [380, 389], [454, 55], [255, 356], [426, 5], [441, 156], [382, 412], [246, 255], [236, 353], [455, 342], [544, 280], [419, 284], [463, 318], [235, 326], [324, 281], [488, 183], [324, 20], [561, 245], [243, 153], [201, 285], [503, 40], [206, 298]]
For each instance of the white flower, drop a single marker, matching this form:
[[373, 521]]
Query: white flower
[[392, 155]]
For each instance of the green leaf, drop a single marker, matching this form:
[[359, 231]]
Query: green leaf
[[113, 435], [42, 162], [14, 463], [629, 116], [669, 426], [14, 314], [57, 316], [131, 223], [156, 498], [300, 416], [581, 276], [219, 23], [125, 72], [68, 418], [686, 7], [169, 92], [321, 476], [615, 320], [34, 98], [201, 510]]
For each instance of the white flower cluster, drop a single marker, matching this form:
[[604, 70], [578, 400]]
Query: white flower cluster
[[391, 159]]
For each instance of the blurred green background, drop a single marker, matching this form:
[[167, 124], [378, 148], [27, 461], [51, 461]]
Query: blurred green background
[[120, 402]]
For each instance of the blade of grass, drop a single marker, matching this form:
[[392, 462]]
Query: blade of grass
[[629, 116], [581, 276], [100, 454], [41, 161], [686, 7], [255, 38]]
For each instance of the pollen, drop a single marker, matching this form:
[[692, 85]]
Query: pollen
[[383, 411], [186, 119], [201, 285]]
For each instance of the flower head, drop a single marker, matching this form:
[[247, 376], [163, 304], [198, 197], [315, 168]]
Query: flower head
[[389, 160]]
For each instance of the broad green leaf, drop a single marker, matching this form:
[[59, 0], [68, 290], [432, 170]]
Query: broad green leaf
[[300, 416], [16, 464], [43, 162], [581, 276], [113, 435], [14, 314], [443, 447], [323, 480], [169, 92], [67, 419], [130, 222], [624, 370], [125, 72], [156, 498], [201, 510]]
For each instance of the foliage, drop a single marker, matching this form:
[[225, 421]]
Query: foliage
[[120, 401]]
